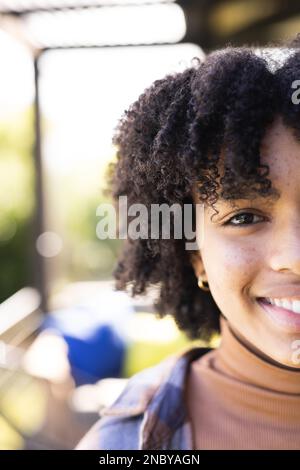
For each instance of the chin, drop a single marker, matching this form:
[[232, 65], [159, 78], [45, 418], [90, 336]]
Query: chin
[[290, 358]]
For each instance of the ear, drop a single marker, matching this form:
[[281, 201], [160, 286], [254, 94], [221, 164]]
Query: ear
[[197, 263]]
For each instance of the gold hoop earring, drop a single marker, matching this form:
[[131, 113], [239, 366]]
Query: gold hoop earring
[[203, 284]]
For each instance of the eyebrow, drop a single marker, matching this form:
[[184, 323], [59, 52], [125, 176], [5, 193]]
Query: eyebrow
[[272, 197]]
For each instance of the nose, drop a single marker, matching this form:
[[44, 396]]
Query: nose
[[285, 248]]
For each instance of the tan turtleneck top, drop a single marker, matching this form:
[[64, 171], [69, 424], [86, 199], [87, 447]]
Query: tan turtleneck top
[[237, 400]]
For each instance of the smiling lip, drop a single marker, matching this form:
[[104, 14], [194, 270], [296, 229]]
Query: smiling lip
[[288, 291], [287, 319]]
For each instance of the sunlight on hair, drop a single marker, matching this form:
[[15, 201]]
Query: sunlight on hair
[[274, 56]]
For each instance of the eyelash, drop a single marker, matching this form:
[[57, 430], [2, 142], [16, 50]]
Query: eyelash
[[228, 222]]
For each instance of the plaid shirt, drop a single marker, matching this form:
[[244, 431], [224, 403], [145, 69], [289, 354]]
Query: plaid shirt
[[150, 413]]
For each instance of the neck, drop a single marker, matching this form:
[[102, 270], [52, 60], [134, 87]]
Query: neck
[[239, 359], [243, 341]]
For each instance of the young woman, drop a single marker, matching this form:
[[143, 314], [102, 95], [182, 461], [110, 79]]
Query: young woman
[[224, 133]]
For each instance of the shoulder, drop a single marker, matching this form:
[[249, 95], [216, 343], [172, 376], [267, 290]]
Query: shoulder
[[120, 424], [112, 433]]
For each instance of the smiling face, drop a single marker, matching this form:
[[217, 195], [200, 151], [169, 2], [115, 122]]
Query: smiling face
[[257, 255]]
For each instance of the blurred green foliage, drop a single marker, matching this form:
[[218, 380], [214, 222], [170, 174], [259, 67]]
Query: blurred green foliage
[[89, 258], [92, 258], [72, 200], [16, 202]]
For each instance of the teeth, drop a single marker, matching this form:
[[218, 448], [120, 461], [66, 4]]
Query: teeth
[[292, 305]]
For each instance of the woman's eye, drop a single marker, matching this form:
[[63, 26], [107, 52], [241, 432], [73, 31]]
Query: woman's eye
[[244, 218]]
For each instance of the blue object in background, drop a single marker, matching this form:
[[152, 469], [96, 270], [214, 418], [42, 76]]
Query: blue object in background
[[96, 335]]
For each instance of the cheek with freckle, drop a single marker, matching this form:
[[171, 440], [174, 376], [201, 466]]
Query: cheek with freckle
[[232, 269]]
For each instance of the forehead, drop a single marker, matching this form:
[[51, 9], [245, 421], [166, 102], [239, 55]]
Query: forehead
[[280, 150]]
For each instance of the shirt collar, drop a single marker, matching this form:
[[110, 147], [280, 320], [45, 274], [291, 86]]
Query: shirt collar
[[158, 392]]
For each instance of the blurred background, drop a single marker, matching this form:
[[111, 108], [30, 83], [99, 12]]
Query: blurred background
[[68, 341]]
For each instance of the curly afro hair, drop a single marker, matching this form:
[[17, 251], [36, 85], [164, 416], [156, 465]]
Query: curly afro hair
[[170, 139]]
